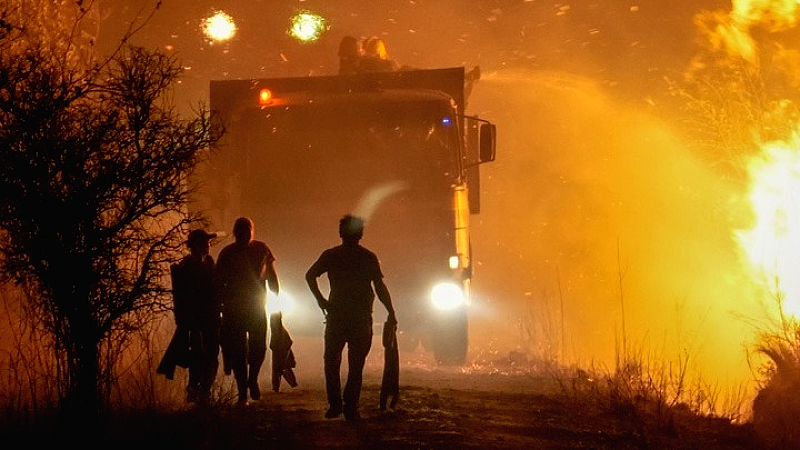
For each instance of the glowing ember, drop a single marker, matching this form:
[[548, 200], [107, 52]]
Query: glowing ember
[[220, 27], [773, 243], [307, 26]]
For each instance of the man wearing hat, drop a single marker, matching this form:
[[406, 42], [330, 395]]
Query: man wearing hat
[[197, 318]]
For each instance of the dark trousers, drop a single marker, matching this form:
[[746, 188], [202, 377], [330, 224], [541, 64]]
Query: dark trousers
[[245, 345], [203, 358], [358, 338]]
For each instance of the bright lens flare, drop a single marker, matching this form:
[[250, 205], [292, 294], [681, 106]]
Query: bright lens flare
[[773, 243], [282, 303], [307, 26], [220, 27], [447, 296]]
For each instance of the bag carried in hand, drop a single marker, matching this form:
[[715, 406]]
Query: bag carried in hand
[[390, 385]]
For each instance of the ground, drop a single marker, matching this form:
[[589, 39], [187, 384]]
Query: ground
[[479, 406], [438, 408]]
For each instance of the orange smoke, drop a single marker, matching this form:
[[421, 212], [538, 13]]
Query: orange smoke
[[602, 227], [602, 211]]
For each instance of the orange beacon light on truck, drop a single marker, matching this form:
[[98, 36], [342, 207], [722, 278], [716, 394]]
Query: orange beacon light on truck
[[264, 97]]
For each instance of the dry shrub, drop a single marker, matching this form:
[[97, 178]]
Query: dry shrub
[[651, 394], [28, 369], [30, 375], [776, 407]]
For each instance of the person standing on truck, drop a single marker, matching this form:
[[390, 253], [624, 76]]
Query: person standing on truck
[[352, 271], [376, 58], [195, 342], [350, 54], [243, 267]]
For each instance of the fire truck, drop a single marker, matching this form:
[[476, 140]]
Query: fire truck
[[395, 148]]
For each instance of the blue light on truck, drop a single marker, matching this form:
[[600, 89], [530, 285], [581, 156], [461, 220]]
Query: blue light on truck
[[446, 121]]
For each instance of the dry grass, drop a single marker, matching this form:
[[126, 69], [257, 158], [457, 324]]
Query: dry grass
[[643, 399]]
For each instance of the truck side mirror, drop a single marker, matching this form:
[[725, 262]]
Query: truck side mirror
[[488, 144]]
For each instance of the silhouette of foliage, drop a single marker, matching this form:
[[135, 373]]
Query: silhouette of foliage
[[94, 166]]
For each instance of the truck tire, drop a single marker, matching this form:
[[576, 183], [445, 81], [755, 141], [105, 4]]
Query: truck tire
[[451, 337]]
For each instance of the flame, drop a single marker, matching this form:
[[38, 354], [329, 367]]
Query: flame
[[775, 14], [733, 32], [772, 245]]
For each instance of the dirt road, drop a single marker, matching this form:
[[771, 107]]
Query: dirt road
[[443, 409]]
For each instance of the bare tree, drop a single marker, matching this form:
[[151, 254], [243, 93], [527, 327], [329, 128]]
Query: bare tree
[[94, 169]]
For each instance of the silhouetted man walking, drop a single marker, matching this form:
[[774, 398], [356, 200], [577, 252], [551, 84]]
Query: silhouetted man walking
[[197, 319], [242, 270], [352, 272]]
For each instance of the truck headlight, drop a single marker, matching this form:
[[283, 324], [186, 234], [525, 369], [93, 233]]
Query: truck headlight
[[447, 296], [283, 303]]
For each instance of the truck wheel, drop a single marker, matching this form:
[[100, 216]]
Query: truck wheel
[[408, 341], [450, 339]]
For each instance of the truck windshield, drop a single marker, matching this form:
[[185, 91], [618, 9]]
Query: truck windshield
[[297, 170], [363, 143], [344, 149]]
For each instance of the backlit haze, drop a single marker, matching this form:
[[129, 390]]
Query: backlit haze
[[608, 210]]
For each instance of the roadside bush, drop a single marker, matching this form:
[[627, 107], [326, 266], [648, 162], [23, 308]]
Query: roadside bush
[[776, 407]]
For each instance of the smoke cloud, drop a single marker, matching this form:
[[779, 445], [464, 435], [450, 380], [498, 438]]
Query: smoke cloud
[[597, 219]]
